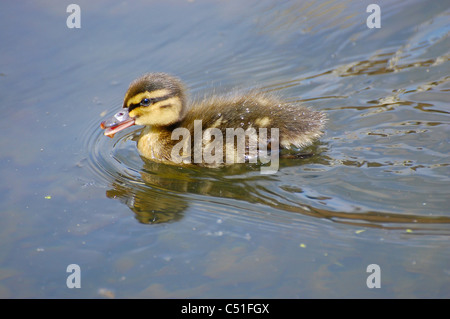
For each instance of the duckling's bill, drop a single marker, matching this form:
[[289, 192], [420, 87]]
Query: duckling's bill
[[121, 120]]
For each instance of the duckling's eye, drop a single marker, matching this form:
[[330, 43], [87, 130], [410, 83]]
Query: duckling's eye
[[145, 102]]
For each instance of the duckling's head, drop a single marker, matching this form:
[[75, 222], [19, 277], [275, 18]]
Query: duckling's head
[[155, 99]]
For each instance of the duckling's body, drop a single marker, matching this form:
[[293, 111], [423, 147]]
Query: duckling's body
[[158, 101]]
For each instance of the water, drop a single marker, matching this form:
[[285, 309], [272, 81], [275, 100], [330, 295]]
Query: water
[[375, 192]]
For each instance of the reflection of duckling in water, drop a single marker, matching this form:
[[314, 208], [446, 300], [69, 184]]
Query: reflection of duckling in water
[[151, 206], [161, 198], [158, 101]]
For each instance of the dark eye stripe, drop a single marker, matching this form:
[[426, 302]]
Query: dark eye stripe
[[150, 101], [132, 107]]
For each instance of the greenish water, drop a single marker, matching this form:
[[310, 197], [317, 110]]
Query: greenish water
[[375, 192]]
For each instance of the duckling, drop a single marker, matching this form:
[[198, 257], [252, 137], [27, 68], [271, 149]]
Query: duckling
[[158, 102]]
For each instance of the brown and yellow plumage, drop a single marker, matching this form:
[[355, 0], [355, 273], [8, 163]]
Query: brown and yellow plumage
[[158, 101]]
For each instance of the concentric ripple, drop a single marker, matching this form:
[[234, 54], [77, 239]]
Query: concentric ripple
[[113, 158]]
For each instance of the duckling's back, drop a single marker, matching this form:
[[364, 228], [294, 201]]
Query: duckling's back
[[298, 125]]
